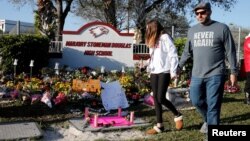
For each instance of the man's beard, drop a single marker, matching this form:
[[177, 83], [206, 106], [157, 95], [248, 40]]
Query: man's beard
[[206, 21]]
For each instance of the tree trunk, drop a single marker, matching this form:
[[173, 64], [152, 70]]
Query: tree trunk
[[110, 12], [59, 20]]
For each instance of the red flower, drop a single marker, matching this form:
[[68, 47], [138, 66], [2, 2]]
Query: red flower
[[60, 98]]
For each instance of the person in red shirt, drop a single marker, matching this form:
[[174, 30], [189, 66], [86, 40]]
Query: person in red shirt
[[247, 68]]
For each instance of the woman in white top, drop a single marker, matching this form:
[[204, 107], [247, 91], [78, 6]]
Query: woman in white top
[[163, 64]]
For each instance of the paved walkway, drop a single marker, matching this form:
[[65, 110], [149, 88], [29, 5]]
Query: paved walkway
[[19, 130]]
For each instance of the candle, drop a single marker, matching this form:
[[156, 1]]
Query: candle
[[31, 63], [102, 69], [56, 66], [184, 68], [123, 69], [15, 62]]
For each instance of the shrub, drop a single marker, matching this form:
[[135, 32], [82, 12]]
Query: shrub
[[24, 48]]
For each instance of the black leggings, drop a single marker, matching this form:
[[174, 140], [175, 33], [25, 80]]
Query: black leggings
[[159, 84], [247, 83]]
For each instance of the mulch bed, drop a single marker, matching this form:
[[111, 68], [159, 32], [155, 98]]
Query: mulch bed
[[15, 110]]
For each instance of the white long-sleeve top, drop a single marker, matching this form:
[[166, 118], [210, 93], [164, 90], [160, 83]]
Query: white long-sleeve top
[[164, 57]]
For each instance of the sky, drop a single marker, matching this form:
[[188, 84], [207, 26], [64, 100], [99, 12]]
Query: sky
[[239, 15]]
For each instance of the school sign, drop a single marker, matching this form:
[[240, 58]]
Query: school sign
[[97, 44]]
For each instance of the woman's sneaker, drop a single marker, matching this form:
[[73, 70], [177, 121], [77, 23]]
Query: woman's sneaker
[[178, 122], [155, 130]]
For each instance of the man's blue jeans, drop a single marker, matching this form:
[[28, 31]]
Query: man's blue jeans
[[206, 95]]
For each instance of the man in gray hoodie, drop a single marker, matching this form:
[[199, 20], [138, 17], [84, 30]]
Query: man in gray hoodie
[[209, 44]]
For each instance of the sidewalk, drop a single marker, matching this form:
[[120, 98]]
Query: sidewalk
[[19, 130]]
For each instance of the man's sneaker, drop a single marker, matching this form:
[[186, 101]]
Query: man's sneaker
[[178, 122], [155, 130], [204, 128]]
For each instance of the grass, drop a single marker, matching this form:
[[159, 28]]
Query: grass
[[234, 112]]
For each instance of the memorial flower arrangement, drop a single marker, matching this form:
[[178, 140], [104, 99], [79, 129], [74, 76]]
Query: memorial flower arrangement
[[32, 85], [64, 87], [143, 83], [50, 85], [127, 82]]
